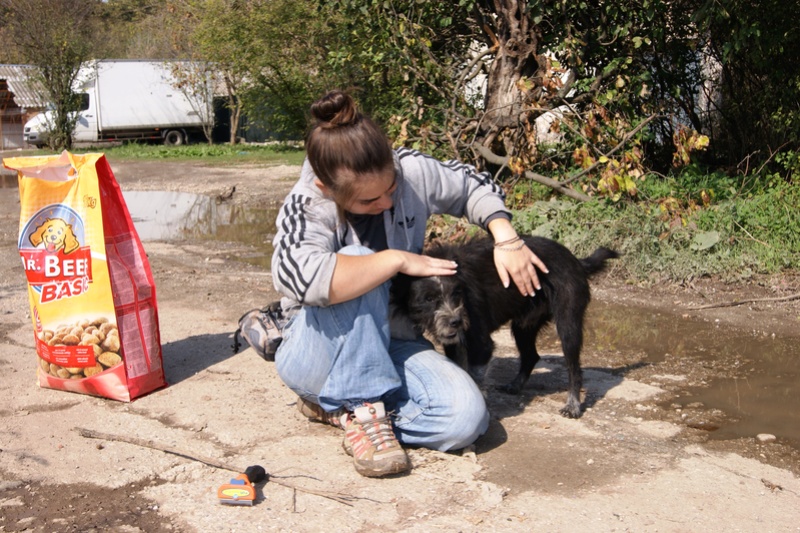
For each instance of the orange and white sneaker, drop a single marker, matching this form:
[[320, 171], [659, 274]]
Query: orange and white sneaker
[[316, 413], [369, 437]]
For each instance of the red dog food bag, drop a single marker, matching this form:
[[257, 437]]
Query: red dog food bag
[[91, 291]]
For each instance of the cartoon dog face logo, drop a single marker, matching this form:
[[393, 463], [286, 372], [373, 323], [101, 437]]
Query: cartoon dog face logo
[[55, 234]]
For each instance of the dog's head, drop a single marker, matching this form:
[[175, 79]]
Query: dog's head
[[434, 305], [55, 234]]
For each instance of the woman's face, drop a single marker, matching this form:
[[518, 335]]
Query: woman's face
[[373, 193]]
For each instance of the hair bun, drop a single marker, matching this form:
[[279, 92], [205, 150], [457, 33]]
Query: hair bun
[[335, 109]]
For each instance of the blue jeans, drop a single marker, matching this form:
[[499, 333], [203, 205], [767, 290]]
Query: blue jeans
[[342, 355]]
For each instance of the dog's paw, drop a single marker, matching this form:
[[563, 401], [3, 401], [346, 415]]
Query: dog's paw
[[510, 388], [570, 411], [515, 385]]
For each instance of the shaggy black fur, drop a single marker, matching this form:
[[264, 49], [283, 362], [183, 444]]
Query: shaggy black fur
[[462, 311]]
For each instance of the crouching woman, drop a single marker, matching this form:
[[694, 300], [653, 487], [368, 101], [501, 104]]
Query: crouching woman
[[356, 218]]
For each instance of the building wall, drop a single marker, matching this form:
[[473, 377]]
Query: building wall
[[11, 137], [20, 100], [12, 119]]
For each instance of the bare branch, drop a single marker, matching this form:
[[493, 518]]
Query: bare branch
[[490, 156], [91, 434]]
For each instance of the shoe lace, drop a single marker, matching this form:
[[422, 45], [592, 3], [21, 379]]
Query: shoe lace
[[380, 433]]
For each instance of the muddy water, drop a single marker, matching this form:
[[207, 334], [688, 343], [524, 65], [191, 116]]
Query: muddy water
[[753, 379], [173, 216], [8, 181]]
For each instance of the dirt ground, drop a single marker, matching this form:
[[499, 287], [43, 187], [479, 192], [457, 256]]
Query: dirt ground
[[631, 463]]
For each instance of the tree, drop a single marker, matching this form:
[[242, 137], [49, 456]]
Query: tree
[[269, 55], [55, 37], [214, 33], [605, 67], [8, 49], [194, 80], [133, 29], [755, 89], [289, 70]]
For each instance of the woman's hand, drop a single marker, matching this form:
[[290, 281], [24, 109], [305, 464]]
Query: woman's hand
[[513, 259], [423, 265], [517, 262], [355, 275]]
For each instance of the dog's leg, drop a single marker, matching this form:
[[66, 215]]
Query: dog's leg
[[525, 339], [458, 354], [570, 331], [479, 347], [478, 373]]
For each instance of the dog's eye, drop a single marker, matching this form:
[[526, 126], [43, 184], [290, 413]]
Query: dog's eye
[[430, 298]]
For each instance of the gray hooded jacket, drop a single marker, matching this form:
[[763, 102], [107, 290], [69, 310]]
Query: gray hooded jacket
[[310, 231]]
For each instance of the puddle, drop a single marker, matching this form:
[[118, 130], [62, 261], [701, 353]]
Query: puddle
[[8, 180], [172, 216], [759, 387]]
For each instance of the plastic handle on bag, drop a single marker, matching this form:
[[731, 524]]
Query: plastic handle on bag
[[62, 168]]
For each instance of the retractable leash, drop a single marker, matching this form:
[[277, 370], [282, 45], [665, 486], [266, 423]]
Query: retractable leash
[[240, 490]]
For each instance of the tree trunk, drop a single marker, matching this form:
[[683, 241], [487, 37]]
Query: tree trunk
[[235, 115], [515, 59], [234, 106]]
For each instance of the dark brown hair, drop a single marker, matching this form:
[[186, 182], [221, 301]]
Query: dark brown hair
[[343, 139]]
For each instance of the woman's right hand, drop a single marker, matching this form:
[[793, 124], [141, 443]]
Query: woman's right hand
[[355, 275], [424, 265]]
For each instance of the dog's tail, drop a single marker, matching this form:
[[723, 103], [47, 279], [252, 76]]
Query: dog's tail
[[597, 261]]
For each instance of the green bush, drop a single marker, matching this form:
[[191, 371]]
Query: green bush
[[750, 226]]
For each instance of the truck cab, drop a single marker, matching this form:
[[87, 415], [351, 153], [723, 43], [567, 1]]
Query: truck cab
[[35, 131]]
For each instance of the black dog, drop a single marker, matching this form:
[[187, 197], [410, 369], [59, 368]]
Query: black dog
[[462, 311]]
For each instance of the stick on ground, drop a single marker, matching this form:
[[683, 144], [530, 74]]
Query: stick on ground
[[91, 434], [742, 302]]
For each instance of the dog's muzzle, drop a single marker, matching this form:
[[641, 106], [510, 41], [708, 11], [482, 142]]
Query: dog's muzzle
[[449, 324]]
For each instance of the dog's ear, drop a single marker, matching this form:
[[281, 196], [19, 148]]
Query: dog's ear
[[70, 241], [37, 236]]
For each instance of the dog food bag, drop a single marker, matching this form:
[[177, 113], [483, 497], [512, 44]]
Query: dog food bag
[[91, 291]]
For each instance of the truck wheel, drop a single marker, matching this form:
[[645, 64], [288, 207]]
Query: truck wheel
[[174, 138]]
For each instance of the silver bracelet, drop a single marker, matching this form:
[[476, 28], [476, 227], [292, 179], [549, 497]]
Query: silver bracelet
[[509, 241], [514, 249]]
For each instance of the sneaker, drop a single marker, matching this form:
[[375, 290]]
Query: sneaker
[[371, 441], [316, 413]]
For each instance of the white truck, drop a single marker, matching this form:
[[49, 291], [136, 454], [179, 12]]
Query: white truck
[[132, 99]]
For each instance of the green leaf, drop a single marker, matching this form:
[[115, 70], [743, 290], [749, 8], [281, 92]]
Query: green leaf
[[545, 230], [704, 240]]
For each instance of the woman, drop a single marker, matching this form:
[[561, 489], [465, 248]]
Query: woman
[[356, 218]]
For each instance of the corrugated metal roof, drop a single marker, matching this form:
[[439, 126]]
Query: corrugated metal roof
[[28, 92]]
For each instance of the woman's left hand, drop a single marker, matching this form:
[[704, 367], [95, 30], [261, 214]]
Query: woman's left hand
[[518, 263]]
